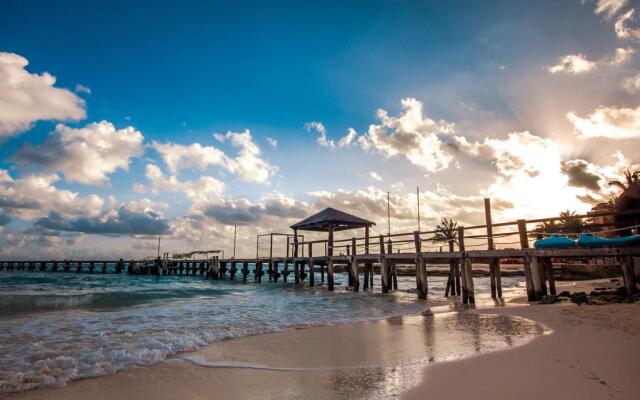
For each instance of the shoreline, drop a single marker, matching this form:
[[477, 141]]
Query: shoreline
[[344, 361]]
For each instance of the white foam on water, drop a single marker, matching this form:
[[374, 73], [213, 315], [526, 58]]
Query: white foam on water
[[67, 326]]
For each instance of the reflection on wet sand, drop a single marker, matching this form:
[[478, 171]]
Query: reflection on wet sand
[[442, 337]]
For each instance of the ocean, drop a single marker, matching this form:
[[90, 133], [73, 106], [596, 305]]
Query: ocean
[[57, 327]]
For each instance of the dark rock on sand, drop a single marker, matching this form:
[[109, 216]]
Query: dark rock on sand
[[579, 298], [549, 299]]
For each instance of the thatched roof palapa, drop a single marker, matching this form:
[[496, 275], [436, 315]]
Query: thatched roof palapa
[[330, 217]]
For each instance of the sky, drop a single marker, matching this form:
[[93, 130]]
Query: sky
[[123, 122]]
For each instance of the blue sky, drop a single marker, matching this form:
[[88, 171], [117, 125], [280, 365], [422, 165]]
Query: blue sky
[[179, 72]]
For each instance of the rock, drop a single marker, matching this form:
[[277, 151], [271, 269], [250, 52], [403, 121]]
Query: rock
[[614, 280], [607, 298], [579, 298], [564, 294], [548, 299]]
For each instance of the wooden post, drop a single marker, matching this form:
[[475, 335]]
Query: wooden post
[[384, 271], [296, 266], [548, 267], [367, 265], [538, 275], [271, 272], [490, 246], [463, 267], [628, 274], [312, 278], [421, 273], [330, 259], [526, 261], [355, 274], [390, 267]]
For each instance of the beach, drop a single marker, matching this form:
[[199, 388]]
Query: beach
[[558, 351]]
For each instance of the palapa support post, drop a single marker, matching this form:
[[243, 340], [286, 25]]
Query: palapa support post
[[330, 259], [421, 273], [384, 271], [494, 264], [312, 272], [526, 260], [628, 274], [354, 267]]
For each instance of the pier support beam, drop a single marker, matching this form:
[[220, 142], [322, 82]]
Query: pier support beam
[[629, 275]]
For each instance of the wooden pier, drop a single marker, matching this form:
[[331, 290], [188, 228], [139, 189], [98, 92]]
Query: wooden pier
[[365, 256]]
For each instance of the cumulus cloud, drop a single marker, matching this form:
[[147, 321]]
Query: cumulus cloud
[[579, 64], [623, 28], [26, 98], [203, 189], [580, 174], [122, 221], [608, 122], [85, 155], [411, 135], [248, 164], [609, 7], [33, 196], [322, 133], [244, 212], [631, 84]]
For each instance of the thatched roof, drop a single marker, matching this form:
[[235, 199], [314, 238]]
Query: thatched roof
[[340, 221]]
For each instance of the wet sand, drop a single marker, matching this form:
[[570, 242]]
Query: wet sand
[[591, 353]]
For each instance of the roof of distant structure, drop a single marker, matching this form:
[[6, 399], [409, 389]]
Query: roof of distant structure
[[340, 221]]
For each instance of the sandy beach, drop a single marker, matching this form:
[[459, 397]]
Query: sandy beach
[[581, 352]]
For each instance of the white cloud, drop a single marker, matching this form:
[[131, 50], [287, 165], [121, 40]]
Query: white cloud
[[573, 64], [85, 155], [348, 139], [375, 176], [82, 89], [26, 98], [322, 132], [579, 64], [247, 164], [194, 156], [411, 135], [609, 7], [622, 28], [608, 122], [205, 188], [272, 142], [33, 196], [631, 84]]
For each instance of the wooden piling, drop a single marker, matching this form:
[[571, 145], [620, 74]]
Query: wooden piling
[[355, 274], [628, 274], [493, 264], [548, 266], [312, 272], [538, 276], [384, 268], [526, 261], [421, 273], [330, 259]]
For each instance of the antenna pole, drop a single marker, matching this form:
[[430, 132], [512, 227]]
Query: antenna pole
[[388, 217], [235, 229], [418, 194]]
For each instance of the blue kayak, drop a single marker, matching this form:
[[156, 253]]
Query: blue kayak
[[588, 240], [555, 242]]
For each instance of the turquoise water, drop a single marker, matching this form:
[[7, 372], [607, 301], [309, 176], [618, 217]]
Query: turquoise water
[[56, 327]]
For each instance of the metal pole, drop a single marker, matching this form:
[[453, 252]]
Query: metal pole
[[158, 246], [418, 194], [235, 228], [388, 217]]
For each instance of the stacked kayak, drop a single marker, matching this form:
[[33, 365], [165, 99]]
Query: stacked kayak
[[585, 240]]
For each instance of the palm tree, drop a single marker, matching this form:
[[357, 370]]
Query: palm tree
[[569, 225], [447, 231], [630, 178]]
